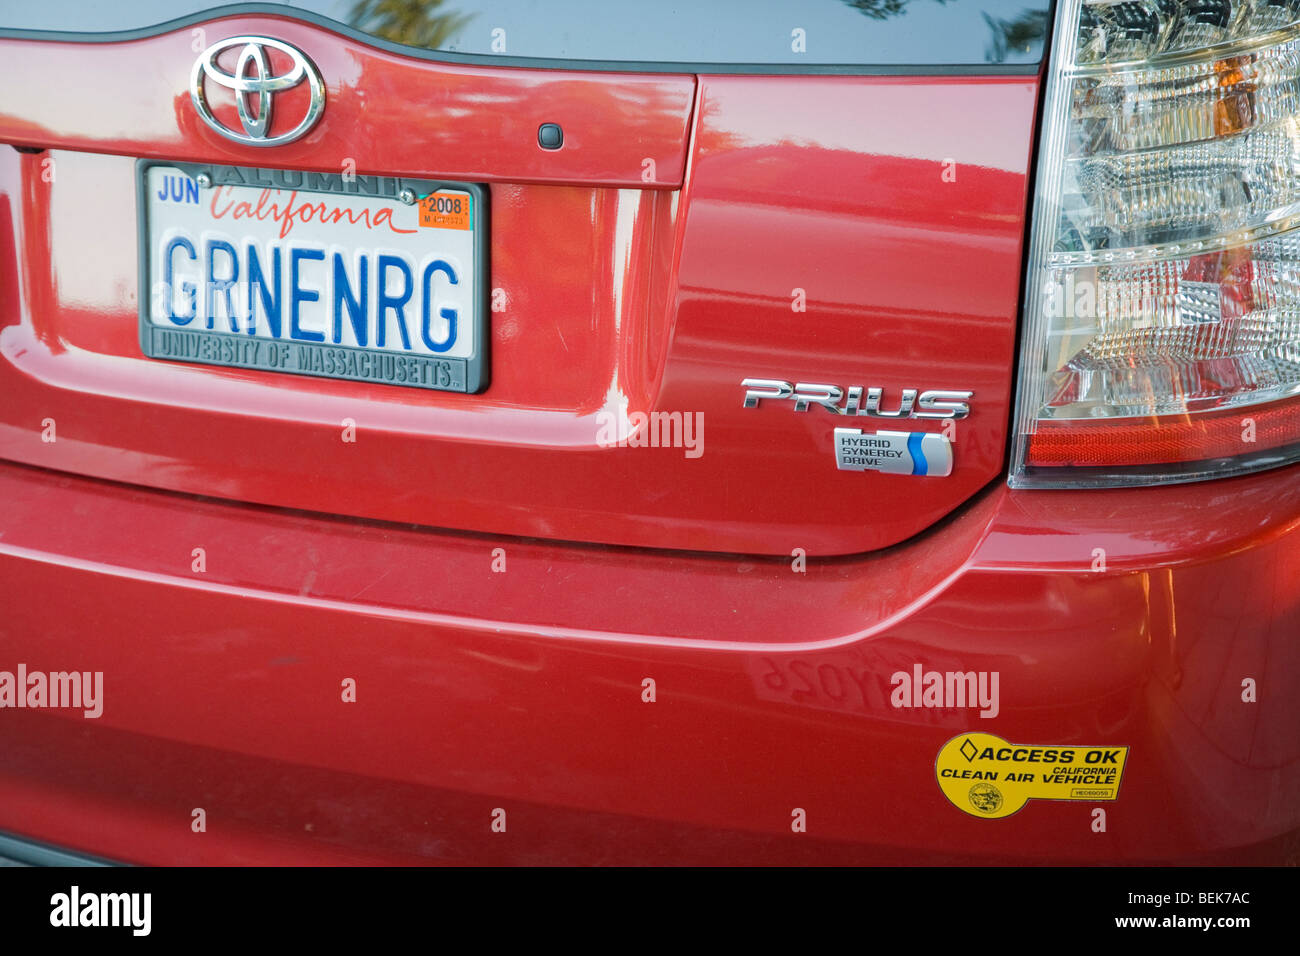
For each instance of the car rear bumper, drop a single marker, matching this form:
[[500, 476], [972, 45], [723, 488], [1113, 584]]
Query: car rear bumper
[[494, 674]]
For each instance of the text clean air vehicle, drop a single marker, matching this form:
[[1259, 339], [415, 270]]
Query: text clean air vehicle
[[491, 432]]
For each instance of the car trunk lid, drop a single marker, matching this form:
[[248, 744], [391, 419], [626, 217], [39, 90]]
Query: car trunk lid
[[692, 231]]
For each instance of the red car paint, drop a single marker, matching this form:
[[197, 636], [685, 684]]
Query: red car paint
[[658, 298], [522, 691], [662, 285]]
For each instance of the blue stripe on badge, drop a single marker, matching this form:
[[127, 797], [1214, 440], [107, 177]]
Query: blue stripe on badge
[[919, 465]]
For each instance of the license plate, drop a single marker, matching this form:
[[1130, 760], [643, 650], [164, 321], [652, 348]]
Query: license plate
[[370, 278]]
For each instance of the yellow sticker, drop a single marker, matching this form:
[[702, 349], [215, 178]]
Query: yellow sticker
[[988, 777]]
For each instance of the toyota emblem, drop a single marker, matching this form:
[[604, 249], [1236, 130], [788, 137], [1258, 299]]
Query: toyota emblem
[[254, 85]]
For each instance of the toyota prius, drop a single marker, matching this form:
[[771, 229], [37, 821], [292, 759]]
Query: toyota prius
[[482, 431]]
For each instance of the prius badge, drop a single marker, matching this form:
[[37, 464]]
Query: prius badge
[[254, 82], [923, 454]]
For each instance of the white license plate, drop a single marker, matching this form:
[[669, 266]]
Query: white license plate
[[371, 278]]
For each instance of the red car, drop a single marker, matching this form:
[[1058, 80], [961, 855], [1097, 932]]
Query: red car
[[851, 431]]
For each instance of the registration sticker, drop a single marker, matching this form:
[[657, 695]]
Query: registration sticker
[[446, 210], [987, 777]]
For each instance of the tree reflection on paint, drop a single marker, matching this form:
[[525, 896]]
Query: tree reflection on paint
[[883, 9], [1021, 33], [416, 23]]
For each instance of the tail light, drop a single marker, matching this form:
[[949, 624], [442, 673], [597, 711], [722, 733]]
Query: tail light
[[1162, 332]]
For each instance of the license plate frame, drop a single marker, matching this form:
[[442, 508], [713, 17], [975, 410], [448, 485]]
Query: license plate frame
[[465, 374]]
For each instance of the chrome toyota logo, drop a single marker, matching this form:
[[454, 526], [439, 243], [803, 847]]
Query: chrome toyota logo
[[251, 81]]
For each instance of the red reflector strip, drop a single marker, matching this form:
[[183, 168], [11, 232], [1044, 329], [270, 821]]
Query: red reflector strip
[[1163, 439]]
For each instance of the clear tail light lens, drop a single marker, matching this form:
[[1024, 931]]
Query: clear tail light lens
[[1162, 332]]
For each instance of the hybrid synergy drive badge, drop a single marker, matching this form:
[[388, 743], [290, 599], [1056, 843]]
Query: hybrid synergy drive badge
[[895, 453], [988, 777]]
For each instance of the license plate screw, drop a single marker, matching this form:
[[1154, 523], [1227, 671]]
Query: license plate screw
[[204, 180], [407, 196]]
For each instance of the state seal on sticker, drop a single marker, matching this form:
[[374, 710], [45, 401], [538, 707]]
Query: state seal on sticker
[[986, 798], [987, 777]]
